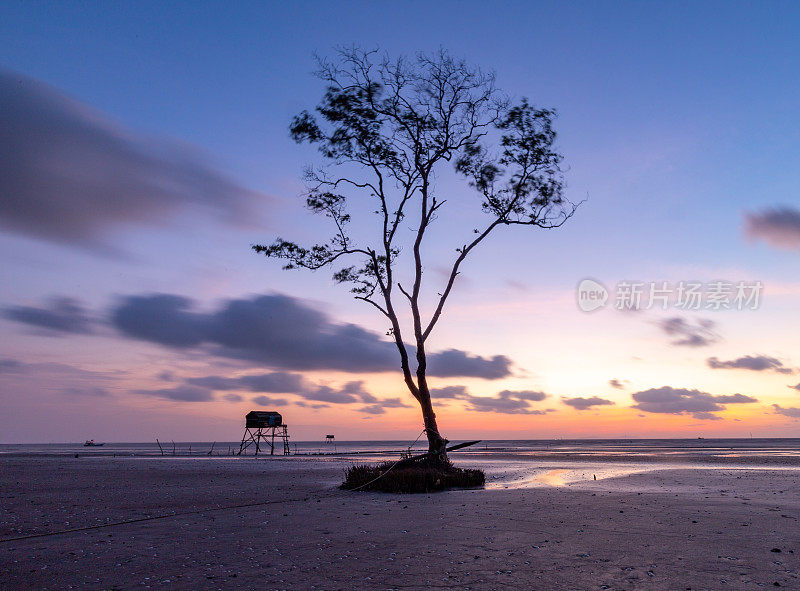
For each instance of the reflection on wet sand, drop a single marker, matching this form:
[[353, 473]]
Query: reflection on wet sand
[[606, 476], [522, 475], [552, 477]]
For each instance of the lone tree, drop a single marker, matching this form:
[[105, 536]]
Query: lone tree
[[385, 129]]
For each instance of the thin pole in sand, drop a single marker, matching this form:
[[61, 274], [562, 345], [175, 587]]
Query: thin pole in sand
[[173, 447], [211, 451], [159, 446]]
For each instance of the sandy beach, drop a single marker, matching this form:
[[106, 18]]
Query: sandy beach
[[227, 523]]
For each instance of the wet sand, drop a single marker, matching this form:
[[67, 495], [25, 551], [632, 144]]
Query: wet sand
[[281, 524]]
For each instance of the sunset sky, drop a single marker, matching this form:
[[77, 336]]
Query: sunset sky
[[144, 147]]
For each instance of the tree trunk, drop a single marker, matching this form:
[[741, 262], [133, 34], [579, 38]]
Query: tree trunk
[[436, 443]]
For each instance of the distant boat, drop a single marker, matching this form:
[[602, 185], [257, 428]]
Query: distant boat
[[91, 443]]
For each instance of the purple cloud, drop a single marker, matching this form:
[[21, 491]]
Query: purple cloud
[[452, 392], [504, 402], [668, 400], [778, 227], [180, 394], [456, 363], [269, 401], [275, 382], [579, 403], [72, 176], [734, 399], [787, 412], [62, 315], [379, 407], [86, 391], [687, 334], [270, 330], [352, 392], [531, 395], [281, 332], [12, 365], [750, 362]]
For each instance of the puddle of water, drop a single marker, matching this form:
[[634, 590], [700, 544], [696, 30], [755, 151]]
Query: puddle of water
[[526, 476], [552, 477], [585, 476]]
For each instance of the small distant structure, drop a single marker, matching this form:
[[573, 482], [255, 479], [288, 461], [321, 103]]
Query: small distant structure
[[330, 439], [261, 427]]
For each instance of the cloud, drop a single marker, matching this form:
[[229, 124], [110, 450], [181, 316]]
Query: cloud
[[275, 382], [12, 365], [787, 412], [72, 176], [269, 401], [751, 362], [62, 315], [455, 363], [314, 406], [281, 332], [795, 387], [231, 397], [67, 379], [699, 334], [734, 399], [160, 318], [533, 396], [87, 391], [347, 394], [579, 403], [180, 394], [778, 227], [668, 400], [452, 392], [356, 388], [379, 408], [615, 383], [504, 402], [288, 383], [509, 406], [706, 416]]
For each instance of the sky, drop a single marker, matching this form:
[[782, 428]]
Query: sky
[[144, 147]]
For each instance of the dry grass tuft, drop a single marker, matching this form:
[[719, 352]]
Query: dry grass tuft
[[418, 477]]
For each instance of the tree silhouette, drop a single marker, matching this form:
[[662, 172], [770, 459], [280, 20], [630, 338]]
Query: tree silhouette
[[385, 127]]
